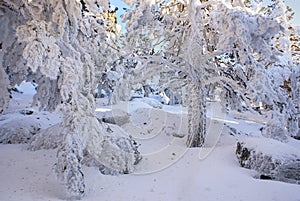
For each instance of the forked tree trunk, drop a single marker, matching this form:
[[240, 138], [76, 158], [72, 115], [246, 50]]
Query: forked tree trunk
[[196, 114]]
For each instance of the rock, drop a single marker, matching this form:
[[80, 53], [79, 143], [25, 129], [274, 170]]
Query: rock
[[179, 135], [26, 112], [264, 177], [270, 158], [296, 137]]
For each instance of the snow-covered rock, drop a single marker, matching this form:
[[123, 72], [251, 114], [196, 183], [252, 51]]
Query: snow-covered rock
[[18, 130], [270, 158]]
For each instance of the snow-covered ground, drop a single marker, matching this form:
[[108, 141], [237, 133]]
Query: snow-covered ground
[[28, 176], [168, 172]]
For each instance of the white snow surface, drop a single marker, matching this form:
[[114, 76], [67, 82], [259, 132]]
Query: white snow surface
[[28, 176], [168, 171]]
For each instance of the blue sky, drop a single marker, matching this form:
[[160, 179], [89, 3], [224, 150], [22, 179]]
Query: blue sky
[[294, 4], [120, 4]]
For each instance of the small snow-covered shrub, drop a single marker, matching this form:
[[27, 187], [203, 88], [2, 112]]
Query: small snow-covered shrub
[[274, 132], [119, 155]]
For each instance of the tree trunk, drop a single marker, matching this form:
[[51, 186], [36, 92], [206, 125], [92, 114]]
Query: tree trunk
[[4, 94], [295, 86], [196, 114]]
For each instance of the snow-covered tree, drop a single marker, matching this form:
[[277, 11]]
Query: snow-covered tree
[[61, 45], [66, 47], [231, 43], [285, 68]]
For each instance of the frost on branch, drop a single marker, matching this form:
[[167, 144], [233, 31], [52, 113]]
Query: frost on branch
[[196, 115], [41, 51], [261, 63], [175, 31], [48, 95], [12, 69]]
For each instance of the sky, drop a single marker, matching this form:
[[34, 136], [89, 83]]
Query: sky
[[120, 4], [294, 4]]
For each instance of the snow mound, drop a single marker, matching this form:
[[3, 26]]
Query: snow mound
[[275, 132], [20, 125]]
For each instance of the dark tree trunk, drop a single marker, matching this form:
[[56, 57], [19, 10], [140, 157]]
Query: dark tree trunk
[[196, 114]]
